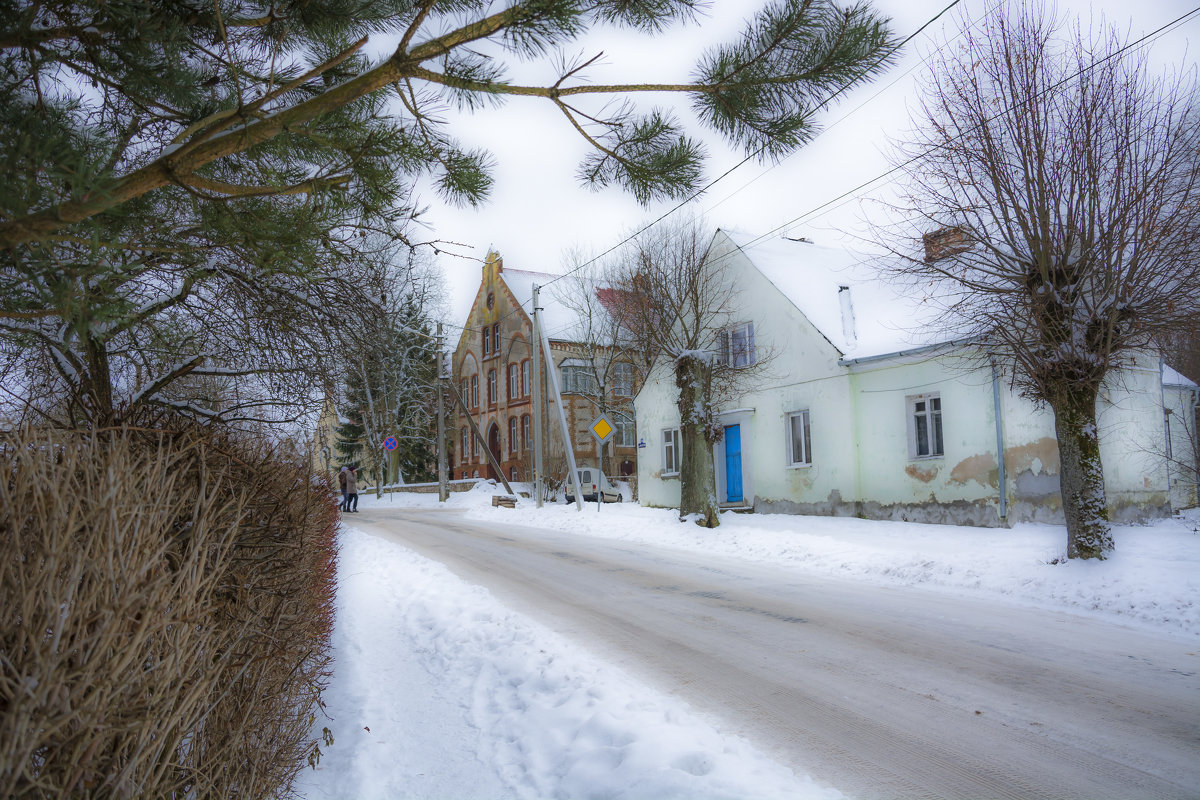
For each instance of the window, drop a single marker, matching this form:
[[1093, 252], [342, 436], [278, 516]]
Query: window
[[577, 377], [671, 452], [487, 341], [623, 379], [799, 437], [464, 394], [512, 434], [512, 474], [925, 426], [463, 452], [491, 387], [514, 381], [525, 432], [496, 339], [626, 434], [736, 346], [475, 448], [474, 391], [525, 378]]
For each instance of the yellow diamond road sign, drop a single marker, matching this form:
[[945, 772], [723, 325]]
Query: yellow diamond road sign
[[602, 429]]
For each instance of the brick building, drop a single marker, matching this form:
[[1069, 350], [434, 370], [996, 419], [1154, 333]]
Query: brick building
[[493, 372]]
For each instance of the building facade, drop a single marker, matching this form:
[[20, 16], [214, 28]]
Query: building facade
[[862, 412], [492, 372]]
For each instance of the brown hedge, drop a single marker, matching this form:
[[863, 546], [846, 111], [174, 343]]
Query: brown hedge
[[166, 602]]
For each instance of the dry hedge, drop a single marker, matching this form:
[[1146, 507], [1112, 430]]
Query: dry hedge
[[167, 604]]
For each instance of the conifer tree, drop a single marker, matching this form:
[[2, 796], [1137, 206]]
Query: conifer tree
[[209, 177]]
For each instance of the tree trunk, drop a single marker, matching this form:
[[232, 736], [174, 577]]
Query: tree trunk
[[697, 477], [1082, 477]]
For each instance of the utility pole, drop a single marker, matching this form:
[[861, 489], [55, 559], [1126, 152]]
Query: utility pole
[[443, 488], [537, 398]]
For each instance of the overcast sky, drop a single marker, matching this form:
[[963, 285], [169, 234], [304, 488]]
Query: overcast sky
[[538, 211]]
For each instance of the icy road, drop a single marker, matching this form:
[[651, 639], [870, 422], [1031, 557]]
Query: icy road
[[881, 692]]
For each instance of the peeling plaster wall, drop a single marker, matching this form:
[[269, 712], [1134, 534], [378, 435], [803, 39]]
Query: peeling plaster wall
[[861, 464]]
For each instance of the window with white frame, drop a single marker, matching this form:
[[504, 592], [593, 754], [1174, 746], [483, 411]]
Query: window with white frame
[[525, 378], [577, 377], [623, 379], [626, 433], [514, 381], [491, 386], [799, 438], [487, 341], [512, 434], [671, 452], [525, 432], [736, 345], [462, 458], [925, 426], [474, 391]]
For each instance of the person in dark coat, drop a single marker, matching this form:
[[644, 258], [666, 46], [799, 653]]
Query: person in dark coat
[[352, 489], [342, 486]]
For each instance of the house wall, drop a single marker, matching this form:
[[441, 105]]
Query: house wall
[[516, 331], [1182, 464], [860, 427]]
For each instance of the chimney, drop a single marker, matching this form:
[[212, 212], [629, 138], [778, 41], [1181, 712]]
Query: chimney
[[849, 332], [945, 242]]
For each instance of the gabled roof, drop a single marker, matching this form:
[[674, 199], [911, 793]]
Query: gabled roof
[[811, 275], [554, 316], [1170, 377]]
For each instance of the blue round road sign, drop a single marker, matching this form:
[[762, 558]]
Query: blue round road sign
[[390, 443]]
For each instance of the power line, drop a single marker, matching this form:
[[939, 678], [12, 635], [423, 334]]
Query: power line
[[845, 196], [844, 88]]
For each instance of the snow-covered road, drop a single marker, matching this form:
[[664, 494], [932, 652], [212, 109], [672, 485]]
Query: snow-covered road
[[879, 691]]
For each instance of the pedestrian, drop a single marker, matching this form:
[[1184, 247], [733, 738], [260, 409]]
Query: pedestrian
[[342, 486], [352, 490]]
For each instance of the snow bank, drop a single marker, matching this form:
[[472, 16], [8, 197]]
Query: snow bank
[[1152, 580], [465, 699]]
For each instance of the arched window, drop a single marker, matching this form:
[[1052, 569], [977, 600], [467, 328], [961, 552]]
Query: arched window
[[512, 435], [525, 377], [491, 387]]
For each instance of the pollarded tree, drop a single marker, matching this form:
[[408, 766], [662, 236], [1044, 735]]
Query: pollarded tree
[[683, 310], [1063, 181]]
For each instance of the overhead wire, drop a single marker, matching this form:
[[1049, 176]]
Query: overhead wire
[[841, 90]]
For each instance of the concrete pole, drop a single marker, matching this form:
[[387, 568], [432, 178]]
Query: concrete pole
[[538, 400], [552, 380], [443, 487]]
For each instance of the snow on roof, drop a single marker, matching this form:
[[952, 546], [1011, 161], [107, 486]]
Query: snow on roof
[[1172, 378], [556, 316], [811, 275]]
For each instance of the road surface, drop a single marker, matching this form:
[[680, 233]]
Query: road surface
[[880, 692]]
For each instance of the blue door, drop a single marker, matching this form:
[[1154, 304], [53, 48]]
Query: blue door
[[733, 463]]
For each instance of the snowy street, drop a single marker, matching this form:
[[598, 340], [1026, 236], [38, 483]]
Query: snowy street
[[876, 690]]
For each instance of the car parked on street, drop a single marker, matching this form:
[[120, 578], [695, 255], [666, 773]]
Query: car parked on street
[[592, 482]]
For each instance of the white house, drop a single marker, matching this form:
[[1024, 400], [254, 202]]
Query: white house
[[859, 410]]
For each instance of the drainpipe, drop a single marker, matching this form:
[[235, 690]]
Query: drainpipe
[[1166, 418], [999, 439]]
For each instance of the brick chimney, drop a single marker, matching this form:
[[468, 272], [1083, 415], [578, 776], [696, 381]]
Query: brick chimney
[[945, 242]]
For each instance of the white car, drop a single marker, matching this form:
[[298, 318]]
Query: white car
[[592, 481]]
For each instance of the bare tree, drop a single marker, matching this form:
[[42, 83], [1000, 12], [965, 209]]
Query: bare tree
[[613, 367], [1056, 182], [680, 306]]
